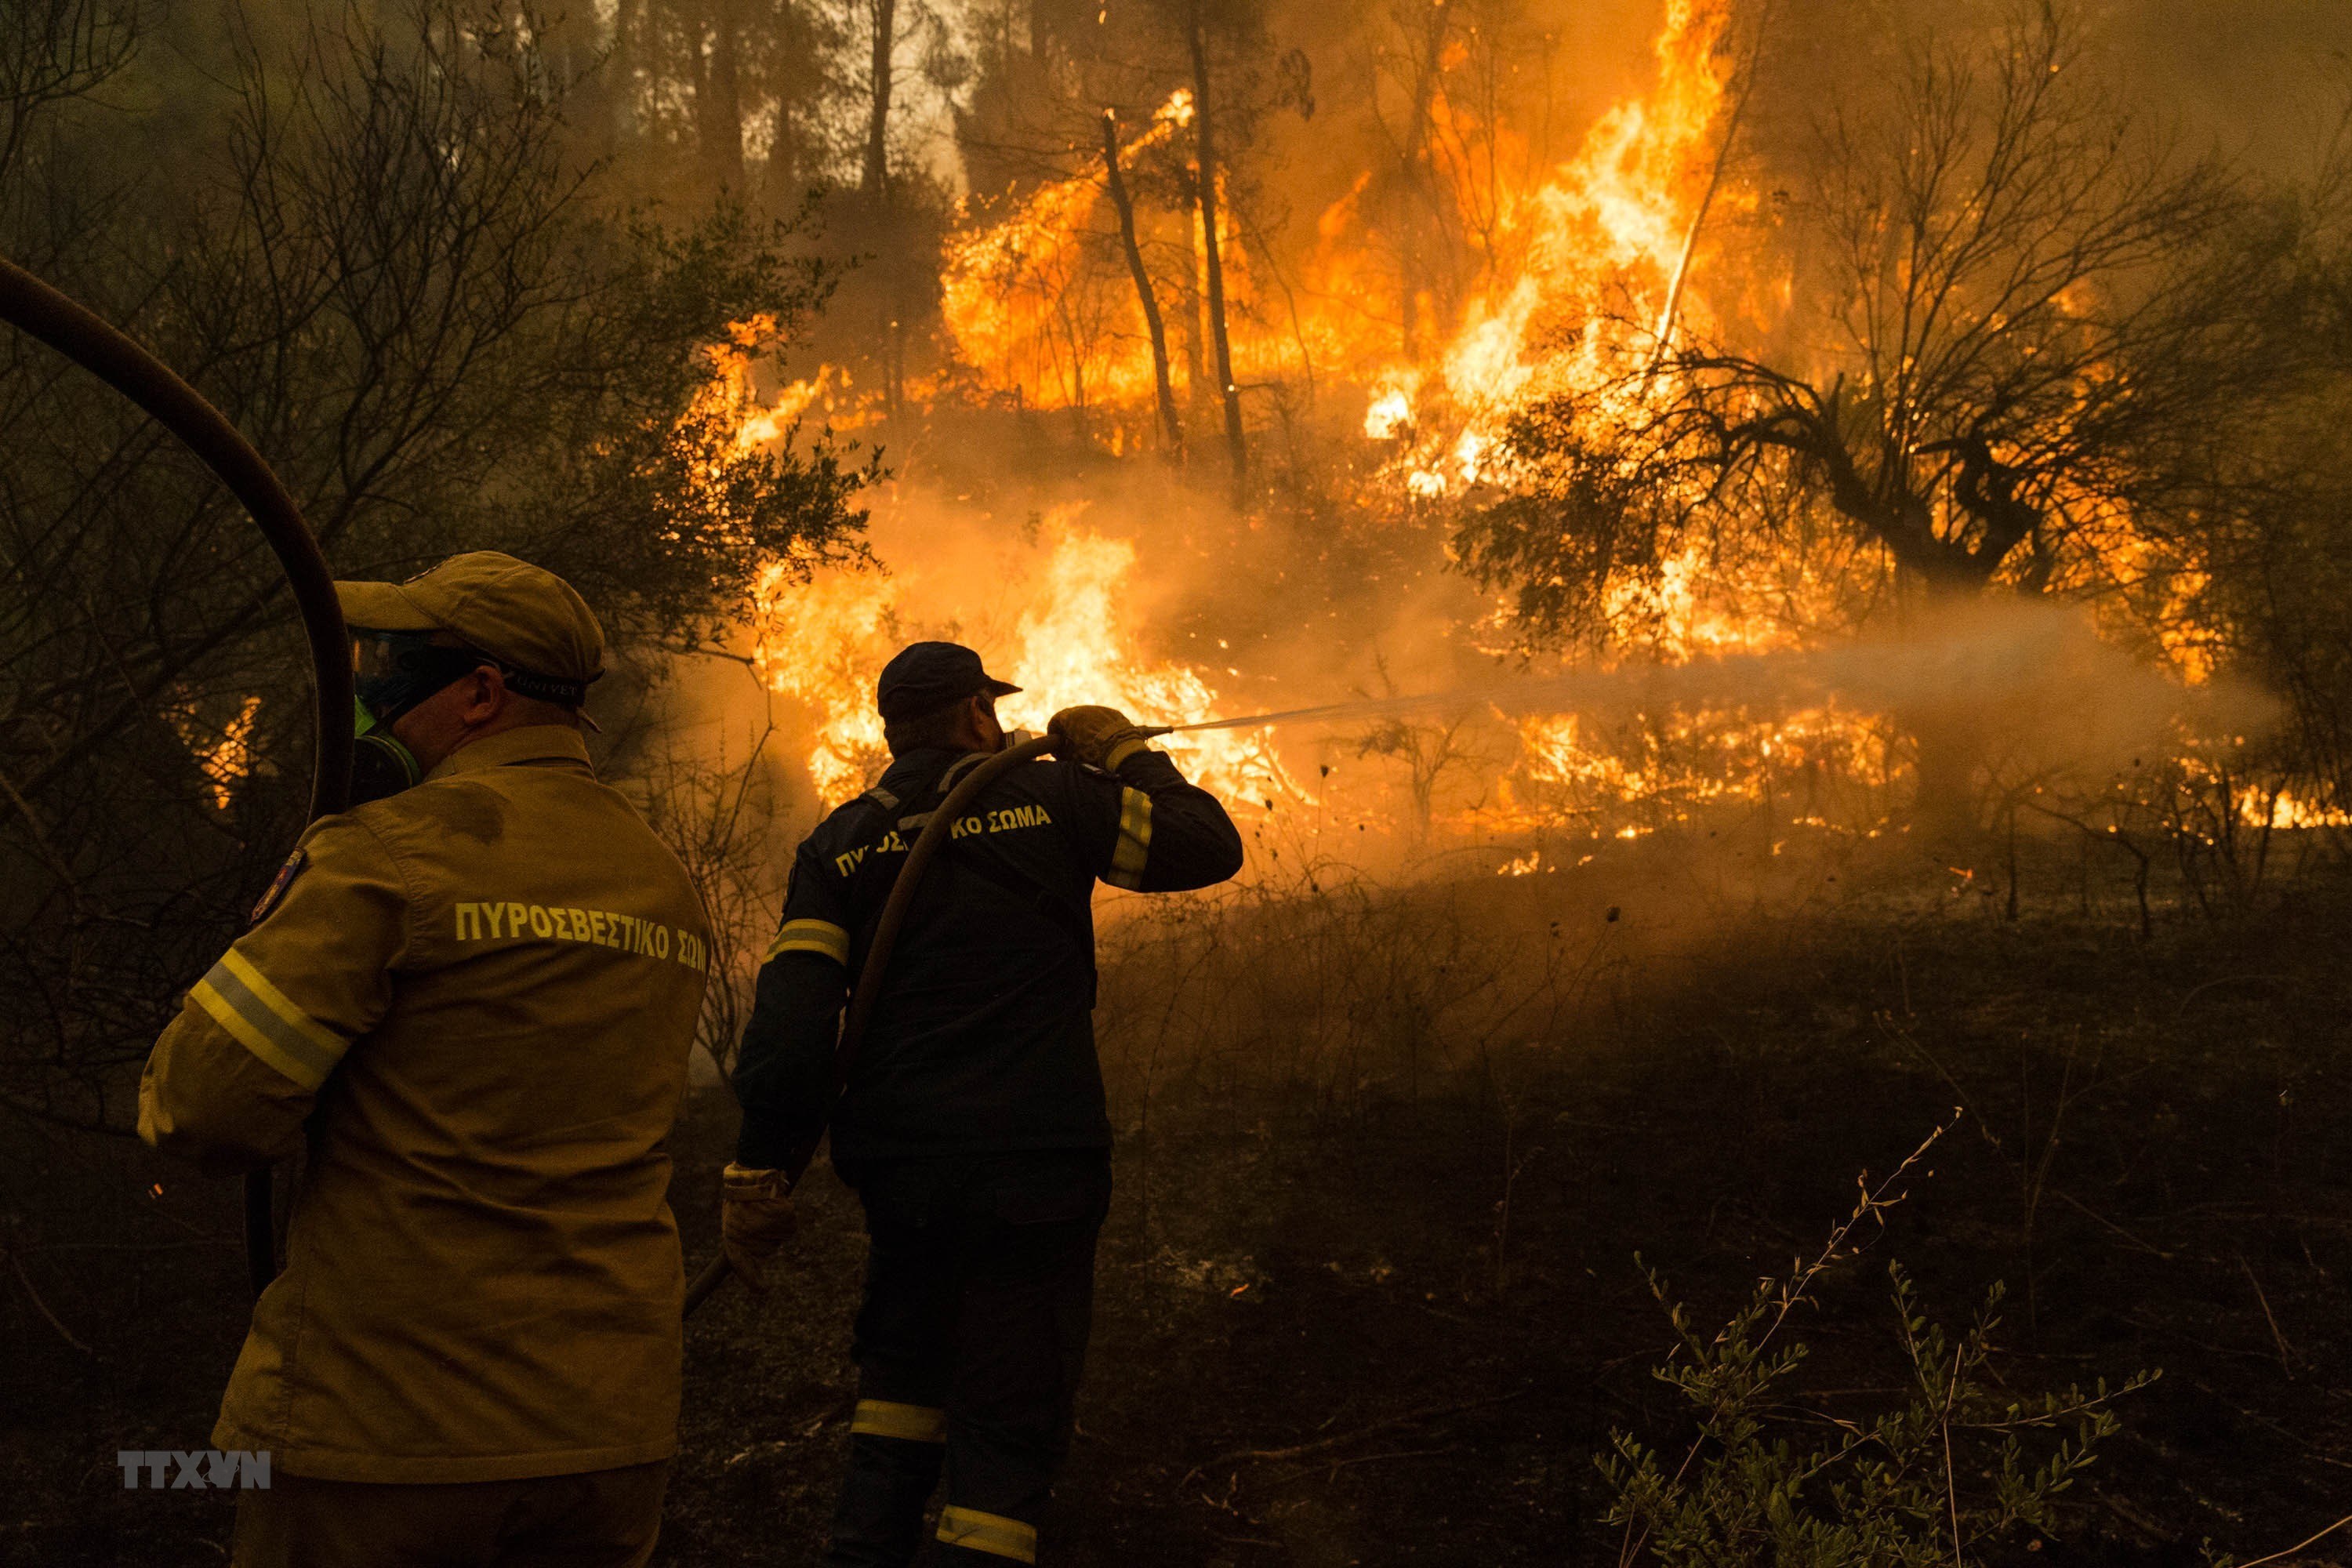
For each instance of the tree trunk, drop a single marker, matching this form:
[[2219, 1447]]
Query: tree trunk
[[1948, 744], [1741, 86], [1950, 729], [1172, 427], [573, 51], [783, 179], [1196, 334], [719, 102], [874, 185], [1203, 126], [1940, 576], [1421, 202], [872, 182], [621, 73]]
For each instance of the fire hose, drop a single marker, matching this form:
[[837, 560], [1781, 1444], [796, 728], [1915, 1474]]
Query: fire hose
[[925, 849], [41, 311]]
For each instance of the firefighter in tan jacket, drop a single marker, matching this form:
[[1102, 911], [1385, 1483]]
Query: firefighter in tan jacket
[[473, 1000]]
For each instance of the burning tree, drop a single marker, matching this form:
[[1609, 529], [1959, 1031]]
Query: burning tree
[[2020, 326], [1123, 207]]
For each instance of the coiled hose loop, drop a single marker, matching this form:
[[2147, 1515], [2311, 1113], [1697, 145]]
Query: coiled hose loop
[[80, 334]]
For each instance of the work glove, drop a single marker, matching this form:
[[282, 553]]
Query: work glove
[[1104, 737], [755, 1217]]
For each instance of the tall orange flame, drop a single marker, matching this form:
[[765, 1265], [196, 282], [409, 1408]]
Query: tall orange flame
[[824, 643]]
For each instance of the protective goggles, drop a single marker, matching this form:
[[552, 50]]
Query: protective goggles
[[392, 672]]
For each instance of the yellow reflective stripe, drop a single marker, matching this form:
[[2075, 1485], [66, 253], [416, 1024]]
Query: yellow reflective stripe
[[252, 1038], [915, 1423], [269, 996], [811, 936], [260, 1018], [990, 1533], [1134, 840]]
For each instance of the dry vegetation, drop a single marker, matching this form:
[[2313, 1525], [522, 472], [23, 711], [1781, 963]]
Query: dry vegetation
[[1370, 1290]]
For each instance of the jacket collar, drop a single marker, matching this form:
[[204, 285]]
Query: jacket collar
[[910, 768], [531, 744], [922, 760]]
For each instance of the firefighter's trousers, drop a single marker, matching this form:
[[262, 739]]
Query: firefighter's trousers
[[969, 1345], [597, 1518]]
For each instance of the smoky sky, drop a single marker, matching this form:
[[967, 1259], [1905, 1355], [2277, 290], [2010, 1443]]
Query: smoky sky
[[2260, 82], [2260, 78]]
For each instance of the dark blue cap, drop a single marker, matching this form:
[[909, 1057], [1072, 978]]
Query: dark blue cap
[[927, 676]]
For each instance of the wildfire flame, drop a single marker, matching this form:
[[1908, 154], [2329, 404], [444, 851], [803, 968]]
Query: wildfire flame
[[225, 756], [1584, 259], [1601, 250], [1606, 237], [1026, 309], [1593, 268], [824, 643]]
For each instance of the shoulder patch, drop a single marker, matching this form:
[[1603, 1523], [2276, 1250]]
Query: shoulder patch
[[275, 893]]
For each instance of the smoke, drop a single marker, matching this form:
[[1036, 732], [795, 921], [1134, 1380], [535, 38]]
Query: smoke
[[2039, 669]]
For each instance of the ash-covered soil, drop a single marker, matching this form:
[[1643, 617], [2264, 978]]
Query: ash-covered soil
[[1398, 1331]]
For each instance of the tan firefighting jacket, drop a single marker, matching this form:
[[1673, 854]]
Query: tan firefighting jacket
[[480, 994]]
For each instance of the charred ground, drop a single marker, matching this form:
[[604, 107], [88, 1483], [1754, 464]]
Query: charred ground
[[1369, 1328]]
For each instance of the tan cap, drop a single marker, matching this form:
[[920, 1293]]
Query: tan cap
[[527, 617]]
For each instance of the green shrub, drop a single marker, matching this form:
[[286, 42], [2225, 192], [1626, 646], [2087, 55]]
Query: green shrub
[[1959, 1465]]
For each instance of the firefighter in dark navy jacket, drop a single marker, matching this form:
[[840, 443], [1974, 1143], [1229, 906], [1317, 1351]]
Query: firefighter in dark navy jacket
[[973, 1124]]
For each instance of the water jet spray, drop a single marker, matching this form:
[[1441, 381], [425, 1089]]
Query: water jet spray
[[1991, 653]]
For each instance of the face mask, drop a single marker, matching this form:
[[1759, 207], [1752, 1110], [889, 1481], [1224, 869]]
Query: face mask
[[381, 765], [392, 673]]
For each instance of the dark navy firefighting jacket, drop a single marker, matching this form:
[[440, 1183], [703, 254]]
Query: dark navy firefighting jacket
[[982, 1037]]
